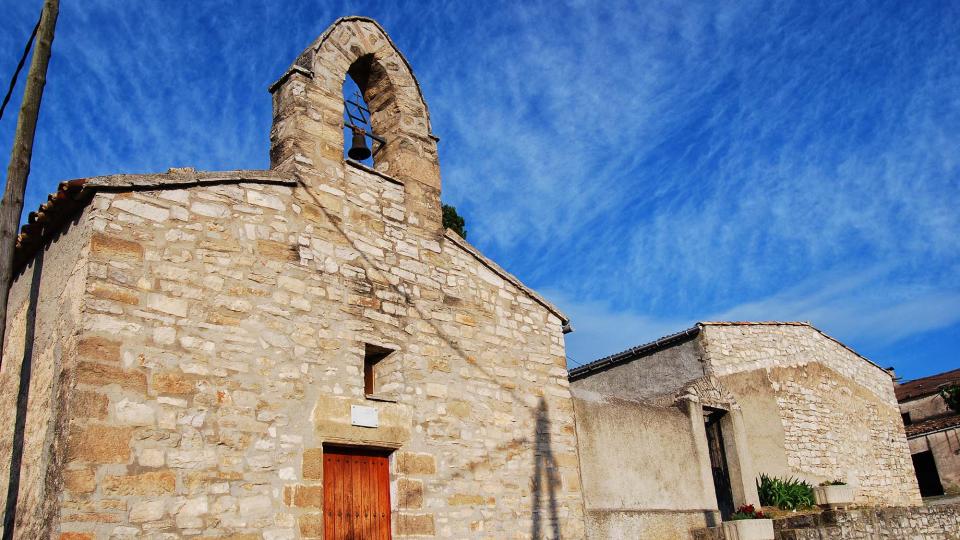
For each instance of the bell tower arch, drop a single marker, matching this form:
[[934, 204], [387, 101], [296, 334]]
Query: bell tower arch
[[308, 109]]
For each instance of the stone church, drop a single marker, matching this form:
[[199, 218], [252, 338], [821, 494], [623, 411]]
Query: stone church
[[299, 352]]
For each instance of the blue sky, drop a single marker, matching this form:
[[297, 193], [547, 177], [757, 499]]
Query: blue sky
[[644, 165]]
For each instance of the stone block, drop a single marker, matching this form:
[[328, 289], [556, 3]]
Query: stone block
[[255, 506], [419, 464], [99, 444], [99, 348], [80, 481], [313, 464], [151, 457], [92, 405], [302, 496], [278, 251], [409, 493], [77, 536], [148, 510], [464, 499], [96, 374], [132, 413], [311, 525], [415, 525], [151, 483], [113, 248], [115, 293], [142, 210], [173, 383], [165, 304]]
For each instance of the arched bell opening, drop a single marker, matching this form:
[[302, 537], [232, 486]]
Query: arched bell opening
[[367, 100]]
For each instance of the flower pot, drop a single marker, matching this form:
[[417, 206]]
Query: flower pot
[[748, 529], [833, 496]]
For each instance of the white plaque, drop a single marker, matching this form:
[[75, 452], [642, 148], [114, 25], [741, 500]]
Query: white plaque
[[364, 416]]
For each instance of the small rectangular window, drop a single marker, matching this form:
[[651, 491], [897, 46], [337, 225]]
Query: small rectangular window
[[906, 419], [372, 368]]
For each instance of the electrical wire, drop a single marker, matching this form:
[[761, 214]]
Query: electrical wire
[[23, 60]]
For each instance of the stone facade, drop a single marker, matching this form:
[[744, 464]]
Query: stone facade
[[838, 413], [925, 407], [197, 343], [789, 400], [941, 522]]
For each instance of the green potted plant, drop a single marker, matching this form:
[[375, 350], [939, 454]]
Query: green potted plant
[[790, 493], [834, 493], [748, 523]]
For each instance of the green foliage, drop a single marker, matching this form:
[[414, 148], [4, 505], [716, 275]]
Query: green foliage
[[784, 493], [453, 221], [951, 394], [833, 483]]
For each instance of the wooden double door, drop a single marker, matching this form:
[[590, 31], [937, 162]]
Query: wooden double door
[[356, 494]]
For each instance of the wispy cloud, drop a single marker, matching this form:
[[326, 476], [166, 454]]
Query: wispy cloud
[[648, 164]]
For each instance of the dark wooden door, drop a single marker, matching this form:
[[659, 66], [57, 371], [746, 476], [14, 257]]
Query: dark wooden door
[[356, 494], [927, 476], [718, 464]]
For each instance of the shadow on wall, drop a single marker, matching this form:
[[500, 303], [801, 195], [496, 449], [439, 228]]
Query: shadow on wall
[[545, 466], [544, 471], [23, 398]]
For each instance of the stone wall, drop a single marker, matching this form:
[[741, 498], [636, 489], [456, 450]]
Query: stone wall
[[925, 407], [838, 414], [917, 522], [224, 333], [43, 315], [941, 522]]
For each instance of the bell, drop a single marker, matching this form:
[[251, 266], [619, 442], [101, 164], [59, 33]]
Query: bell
[[359, 151]]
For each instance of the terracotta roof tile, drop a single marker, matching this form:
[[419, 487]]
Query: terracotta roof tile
[[926, 386], [931, 425]]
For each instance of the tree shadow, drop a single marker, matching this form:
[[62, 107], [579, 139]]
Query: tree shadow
[[544, 479], [23, 399]]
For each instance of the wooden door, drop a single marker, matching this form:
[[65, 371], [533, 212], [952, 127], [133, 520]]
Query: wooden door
[[718, 463], [356, 494]]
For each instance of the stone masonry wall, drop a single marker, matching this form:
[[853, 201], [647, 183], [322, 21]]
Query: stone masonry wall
[[43, 315], [925, 407], [936, 522], [940, 522], [838, 412], [222, 346]]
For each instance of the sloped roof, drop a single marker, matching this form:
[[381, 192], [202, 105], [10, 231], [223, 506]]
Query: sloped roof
[[932, 424], [926, 386], [633, 353]]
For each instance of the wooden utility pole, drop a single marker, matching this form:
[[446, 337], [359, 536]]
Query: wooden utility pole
[[19, 169]]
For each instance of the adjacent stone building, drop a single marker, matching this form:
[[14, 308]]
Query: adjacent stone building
[[674, 433], [933, 431], [266, 354]]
